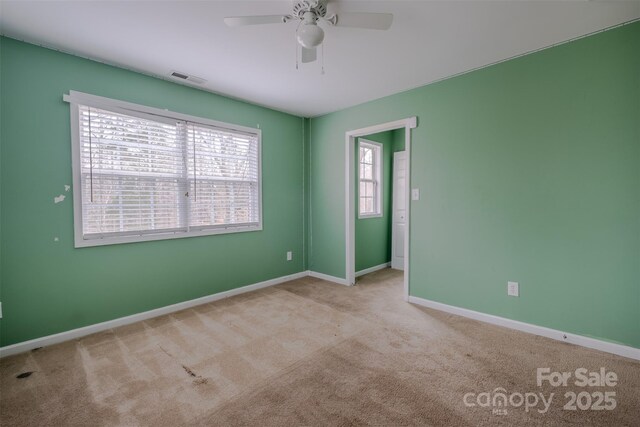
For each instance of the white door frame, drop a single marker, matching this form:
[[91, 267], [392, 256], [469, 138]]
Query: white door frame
[[350, 191]]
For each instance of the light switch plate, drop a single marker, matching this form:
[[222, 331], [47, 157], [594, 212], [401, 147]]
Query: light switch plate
[[513, 289], [289, 256], [415, 194]]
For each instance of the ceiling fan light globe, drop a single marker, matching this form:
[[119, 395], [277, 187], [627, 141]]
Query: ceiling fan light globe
[[310, 35]]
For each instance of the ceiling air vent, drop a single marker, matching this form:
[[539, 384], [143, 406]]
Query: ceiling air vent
[[192, 79]]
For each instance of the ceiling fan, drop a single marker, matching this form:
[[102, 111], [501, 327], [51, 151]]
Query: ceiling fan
[[307, 13]]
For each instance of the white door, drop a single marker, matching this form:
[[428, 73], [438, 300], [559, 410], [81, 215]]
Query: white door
[[399, 209]]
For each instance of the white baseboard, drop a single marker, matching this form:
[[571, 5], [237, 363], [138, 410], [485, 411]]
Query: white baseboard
[[110, 324], [372, 269], [328, 278], [609, 347]]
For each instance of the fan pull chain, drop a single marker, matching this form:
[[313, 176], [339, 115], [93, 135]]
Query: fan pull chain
[[322, 59]]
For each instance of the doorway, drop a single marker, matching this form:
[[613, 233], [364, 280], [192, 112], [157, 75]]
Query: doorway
[[399, 216]]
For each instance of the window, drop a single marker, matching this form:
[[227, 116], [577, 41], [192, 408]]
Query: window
[[146, 174], [370, 179]]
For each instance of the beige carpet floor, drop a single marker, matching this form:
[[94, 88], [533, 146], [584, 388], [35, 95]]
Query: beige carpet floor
[[306, 352]]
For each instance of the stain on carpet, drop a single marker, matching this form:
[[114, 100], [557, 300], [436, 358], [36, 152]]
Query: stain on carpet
[[24, 375]]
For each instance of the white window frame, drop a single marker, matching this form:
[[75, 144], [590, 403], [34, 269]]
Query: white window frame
[[75, 98], [377, 174]]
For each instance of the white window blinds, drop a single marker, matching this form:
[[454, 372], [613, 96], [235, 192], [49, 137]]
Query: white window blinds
[[133, 173], [142, 174], [223, 177]]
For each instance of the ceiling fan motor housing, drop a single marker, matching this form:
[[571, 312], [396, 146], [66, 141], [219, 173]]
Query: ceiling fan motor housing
[[317, 7]]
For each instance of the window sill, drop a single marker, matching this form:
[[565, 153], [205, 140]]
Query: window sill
[[80, 242], [370, 216]]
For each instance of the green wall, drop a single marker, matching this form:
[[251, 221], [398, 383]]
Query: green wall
[[48, 286], [529, 170], [398, 140]]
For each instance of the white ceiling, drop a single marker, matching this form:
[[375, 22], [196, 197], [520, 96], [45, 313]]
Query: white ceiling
[[428, 41]]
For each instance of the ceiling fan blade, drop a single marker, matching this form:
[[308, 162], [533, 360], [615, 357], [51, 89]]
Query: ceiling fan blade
[[237, 21], [308, 55], [371, 21]]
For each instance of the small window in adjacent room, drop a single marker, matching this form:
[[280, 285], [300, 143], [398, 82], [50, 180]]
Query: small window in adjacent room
[[142, 173], [370, 179]]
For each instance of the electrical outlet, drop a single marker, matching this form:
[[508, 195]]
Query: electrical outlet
[[289, 256], [513, 289], [0, 310], [415, 194]]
